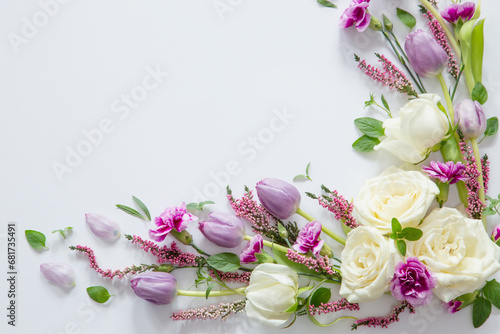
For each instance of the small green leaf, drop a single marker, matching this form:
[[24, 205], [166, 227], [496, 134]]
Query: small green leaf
[[489, 211], [479, 93], [35, 239], [225, 262], [365, 144], [384, 102], [491, 127], [143, 207], [401, 244], [370, 126], [98, 293], [202, 204], [300, 177], [282, 230], [264, 258], [480, 311], [321, 295], [327, 3], [63, 232], [411, 234], [209, 288], [492, 292], [307, 168], [405, 17], [370, 101], [396, 225], [130, 211], [192, 206]]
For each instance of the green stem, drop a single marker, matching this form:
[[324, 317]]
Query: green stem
[[188, 293], [449, 103], [199, 250], [475, 147], [271, 245], [325, 230]]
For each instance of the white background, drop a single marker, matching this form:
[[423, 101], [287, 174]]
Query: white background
[[230, 72]]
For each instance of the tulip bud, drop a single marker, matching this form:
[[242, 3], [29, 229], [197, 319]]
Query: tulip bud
[[470, 118], [495, 235], [156, 287], [426, 56], [61, 274], [103, 227], [223, 229], [280, 198]]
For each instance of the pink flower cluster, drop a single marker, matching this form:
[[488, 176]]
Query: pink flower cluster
[[340, 207], [474, 205], [172, 255], [173, 218], [320, 265], [336, 306], [384, 321], [222, 310], [232, 277]]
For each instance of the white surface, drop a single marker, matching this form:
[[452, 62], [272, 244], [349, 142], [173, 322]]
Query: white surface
[[229, 74]]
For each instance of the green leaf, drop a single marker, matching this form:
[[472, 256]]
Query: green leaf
[[143, 207], [264, 258], [477, 50], [209, 288], [384, 102], [198, 206], [36, 239], [225, 262], [192, 206], [63, 232], [130, 211], [491, 127], [489, 211], [370, 126], [327, 3], [307, 168], [365, 144], [479, 93], [370, 101], [202, 204], [411, 234], [396, 225], [321, 295], [98, 293], [480, 311], [405, 17], [492, 292], [401, 244]]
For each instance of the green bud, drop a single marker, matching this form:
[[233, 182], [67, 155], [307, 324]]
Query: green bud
[[326, 250], [375, 24], [387, 23], [166, 268], [185, 237]]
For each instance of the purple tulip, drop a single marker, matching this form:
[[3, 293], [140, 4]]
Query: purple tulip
[[280, 198], [156, 287], [470, 118], [223, 229], [103, 227], [173, 218], [455, 12], [254, 246], [495, 235], [413, 282], [61, 274], [356, 14], [426, 56], [446, 172], [308, 239]]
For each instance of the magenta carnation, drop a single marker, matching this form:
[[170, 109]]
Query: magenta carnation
[[254, 246], [452, 306], [413, 283], [446, 172], [454, 12], [308, 239], [356, 14], [495, 235], [175, 217]]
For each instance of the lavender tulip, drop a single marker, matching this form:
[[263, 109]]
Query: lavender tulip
[[308, 239], [413, 282], [280, 198], [103, 227], [61, 274], [156, 287], [426, 56], [455, 12], [223, 229], [254, 246], [470, 118]]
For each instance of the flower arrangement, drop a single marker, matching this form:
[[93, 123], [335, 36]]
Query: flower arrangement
[[403, 236]]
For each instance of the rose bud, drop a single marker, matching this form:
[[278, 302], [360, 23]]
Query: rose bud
[[223, 229], [156, 287], [470, 118], [280, 198], [103, 227], [61, 274], [426, 56]]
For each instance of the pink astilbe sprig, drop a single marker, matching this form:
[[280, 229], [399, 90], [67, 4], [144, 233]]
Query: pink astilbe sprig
[[243, 278], [384, 321], [169, 255], [446, 172], [338, 205], [440, 37], [485, 164], [475, 206], [320, 265], [390, 75], [335, 306], [222, 310]]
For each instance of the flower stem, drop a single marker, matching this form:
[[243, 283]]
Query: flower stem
[[449, 103], [199, 250], [475, 147], [220, 293], [271, 244], [325, 230]]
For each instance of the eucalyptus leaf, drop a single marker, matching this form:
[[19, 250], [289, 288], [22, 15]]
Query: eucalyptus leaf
[[405, 17], [321, 295], [480, 311], [491, 127], [492, 292], [143, 207], [225, 262], [98, 293], [36, 239], [370, 126], [130, 211], [365, 144]]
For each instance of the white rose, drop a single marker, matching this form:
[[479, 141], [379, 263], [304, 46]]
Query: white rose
[[458, 250], [419, 127], [368, 262], [272, 290], [405, 195]]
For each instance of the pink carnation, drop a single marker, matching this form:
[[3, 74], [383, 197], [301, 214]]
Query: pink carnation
[[175, 217], [413, 283], [454, 12], [356, 14], [254, 246], [446, 172], [308, 239]]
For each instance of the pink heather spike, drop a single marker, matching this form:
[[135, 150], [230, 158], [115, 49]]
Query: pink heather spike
[[336, 306], [384, 321], [222, 310]]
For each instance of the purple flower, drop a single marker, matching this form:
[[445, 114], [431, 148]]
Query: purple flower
[[469, 116], [172, 218], [446, 172], [455, 12], [308, 239], [426, 56], [453, 306], [495, 235], [254, 246], [59, 273], [103, 227], [280, 198], [223, 229], [155, 286], [356, 13], [413, 282]]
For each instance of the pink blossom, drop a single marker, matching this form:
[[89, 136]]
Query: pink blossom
[[455, 12], [356, 14], [254, 246], [172, 218], [495, 235], [446, 172], [453, 306], [413, 283], [308, 239]]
